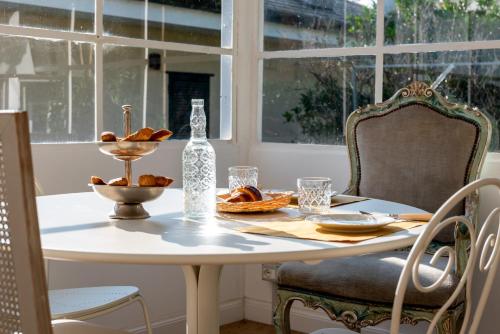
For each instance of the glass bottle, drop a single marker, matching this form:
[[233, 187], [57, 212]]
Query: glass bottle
[[198, 168]]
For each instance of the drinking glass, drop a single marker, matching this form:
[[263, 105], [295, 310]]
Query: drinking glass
[[314, 194], [240, 176]]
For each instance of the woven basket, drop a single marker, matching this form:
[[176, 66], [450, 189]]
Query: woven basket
[[277, 201]]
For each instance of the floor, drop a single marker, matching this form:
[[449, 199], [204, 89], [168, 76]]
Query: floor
[[248, 327]]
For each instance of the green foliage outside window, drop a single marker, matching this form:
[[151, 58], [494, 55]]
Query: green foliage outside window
[[470, 77]]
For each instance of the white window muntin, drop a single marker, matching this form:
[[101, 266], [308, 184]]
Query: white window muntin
[[378, 50], [98, 38]]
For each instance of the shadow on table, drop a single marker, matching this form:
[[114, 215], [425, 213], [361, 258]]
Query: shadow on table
[[69, 228], [188, 233]]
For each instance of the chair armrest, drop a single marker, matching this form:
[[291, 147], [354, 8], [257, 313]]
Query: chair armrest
[[462, 237]]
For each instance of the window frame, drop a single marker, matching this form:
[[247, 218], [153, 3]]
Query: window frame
[[378, 50], [98, 38]]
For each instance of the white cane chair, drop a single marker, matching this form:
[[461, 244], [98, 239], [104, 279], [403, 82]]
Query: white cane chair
[[483, 257], [90, 302], [24, 306]]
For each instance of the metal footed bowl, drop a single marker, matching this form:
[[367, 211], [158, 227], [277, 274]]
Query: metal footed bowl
[[128, 150], [128, 195], [128, 200]]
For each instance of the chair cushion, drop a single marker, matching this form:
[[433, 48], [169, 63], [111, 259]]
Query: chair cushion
[[416, 156], [78, 303], [372, 277], [333, 331]]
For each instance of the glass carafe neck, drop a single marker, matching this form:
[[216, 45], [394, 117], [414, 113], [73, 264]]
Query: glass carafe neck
[[198, 120]]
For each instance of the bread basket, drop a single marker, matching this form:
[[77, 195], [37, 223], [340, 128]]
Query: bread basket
[[274, 201]]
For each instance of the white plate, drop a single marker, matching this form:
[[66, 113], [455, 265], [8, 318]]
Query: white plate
[[350, 222]]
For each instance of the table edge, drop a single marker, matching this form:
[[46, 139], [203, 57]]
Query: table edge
[[251, 258]]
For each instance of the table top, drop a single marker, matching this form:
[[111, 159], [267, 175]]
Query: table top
[[76, 227]]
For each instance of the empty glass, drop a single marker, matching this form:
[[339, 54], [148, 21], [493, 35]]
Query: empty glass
[[242, 176], [314, 194]]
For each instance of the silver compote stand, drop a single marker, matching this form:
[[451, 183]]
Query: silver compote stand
[[128, 199]]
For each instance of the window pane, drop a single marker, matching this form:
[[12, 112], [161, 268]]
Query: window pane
[[123, 83], [308, 24], [470, 77], [308, 100], [430, 21], [172, 80], [192, 22], [193, 76], [54, 82], [124, 18], [69, 15]]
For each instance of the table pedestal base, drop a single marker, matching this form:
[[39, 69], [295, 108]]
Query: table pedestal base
[[202, 298]]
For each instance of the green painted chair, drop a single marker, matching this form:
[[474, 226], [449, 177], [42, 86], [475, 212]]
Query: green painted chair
[[417, 149]]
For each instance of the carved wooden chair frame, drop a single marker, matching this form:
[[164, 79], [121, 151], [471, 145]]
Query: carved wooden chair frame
[[355, 314], [420, 93]]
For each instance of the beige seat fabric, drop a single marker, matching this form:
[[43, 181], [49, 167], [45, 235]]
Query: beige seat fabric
[[372, 277], [415, 156], [80, 327], [333, 331]]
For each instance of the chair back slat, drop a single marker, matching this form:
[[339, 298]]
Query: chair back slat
[[23, 290]]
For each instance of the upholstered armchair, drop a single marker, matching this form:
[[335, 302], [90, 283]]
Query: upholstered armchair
[[417, 149]]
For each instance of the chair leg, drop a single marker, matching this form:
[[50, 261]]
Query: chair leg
[[281, 316], [147, 320], [446, 325]]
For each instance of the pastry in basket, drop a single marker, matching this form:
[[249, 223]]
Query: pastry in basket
[[120, 181], [108, 136], [245, 194], [97, 181], [162, 181], [143, 134], [161, 135], [247, 200]]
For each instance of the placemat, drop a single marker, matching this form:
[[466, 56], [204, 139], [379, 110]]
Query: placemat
[[301, 229], [337, 200]]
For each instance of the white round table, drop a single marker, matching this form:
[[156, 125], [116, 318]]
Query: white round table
[[76, 227]]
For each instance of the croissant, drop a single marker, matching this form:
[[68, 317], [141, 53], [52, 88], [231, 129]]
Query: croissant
[[162, 181], [97, 181], [237, 197], [108, 136], [143, 134], [252, 192], [245, 194], [161, 135], [120, 181], [147, 181]]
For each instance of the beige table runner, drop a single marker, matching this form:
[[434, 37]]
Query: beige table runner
[[301, 229]]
